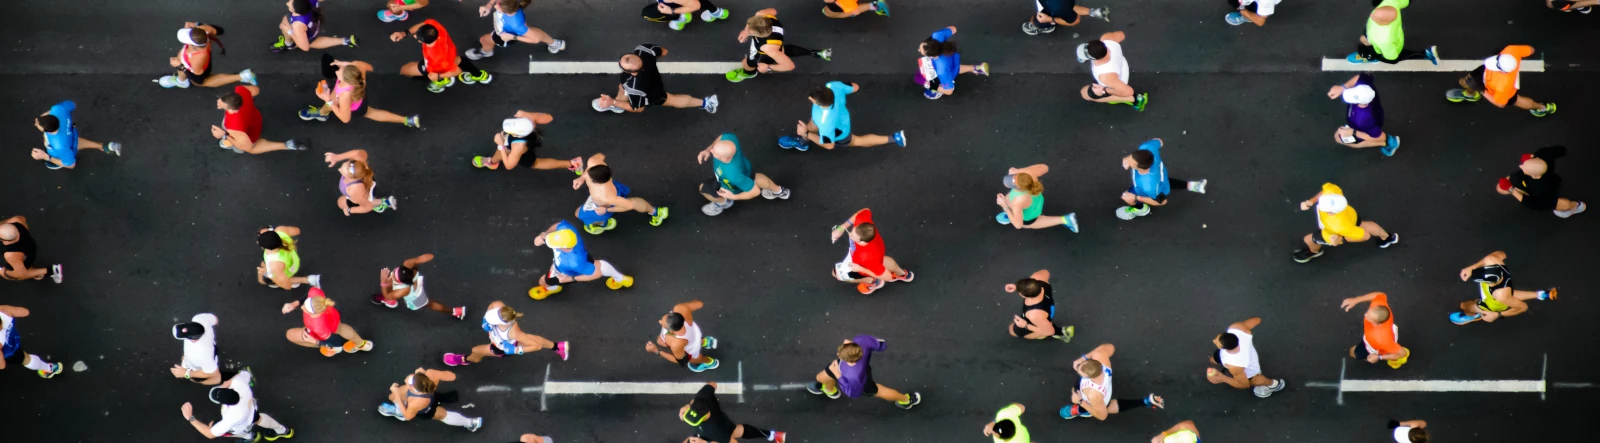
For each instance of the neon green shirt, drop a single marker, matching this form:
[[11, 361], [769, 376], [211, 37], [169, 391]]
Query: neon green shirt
[[1388, 39], [1014, 414]]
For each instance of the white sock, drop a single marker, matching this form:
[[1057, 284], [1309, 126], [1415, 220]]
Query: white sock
[[489, 53], [35, 363], [607, 270], [268, 422], [453, 418]]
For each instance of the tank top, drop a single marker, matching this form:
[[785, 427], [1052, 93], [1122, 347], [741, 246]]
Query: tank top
[[1115, 63], [691, 333], [6, 323], [313, 21], [501, 338], [319, 326], [285, 255], [340, 88], [183, 57], [776, 38], [414, 291], [514, 23], [1492, 278], [1501, 86], [1048, 305], [1034, 209], [344, 186], [24, 244], [1086, 384]]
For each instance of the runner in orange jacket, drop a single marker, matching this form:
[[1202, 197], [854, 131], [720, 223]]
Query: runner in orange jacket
[[1499, 79]]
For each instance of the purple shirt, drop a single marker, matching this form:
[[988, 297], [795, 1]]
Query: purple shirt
[[1369, 119], [853, 378]]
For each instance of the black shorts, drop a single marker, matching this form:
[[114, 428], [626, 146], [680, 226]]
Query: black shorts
[[193, 77], [833, 7], [1021, 332], [27, 263], [1235, 5], [1098, 96], [1317, 236], [333, 341], [844, 141], [710, 187], [645, 101], [495, 36], [1361, 351], [1475, 82], [652, 14], [868, 386], [1162, 199], [496, 350]]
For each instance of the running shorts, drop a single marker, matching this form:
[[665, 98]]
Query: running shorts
[[587, 213]]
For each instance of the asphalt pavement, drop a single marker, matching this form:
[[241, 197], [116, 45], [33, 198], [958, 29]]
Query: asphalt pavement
[[165, 231]]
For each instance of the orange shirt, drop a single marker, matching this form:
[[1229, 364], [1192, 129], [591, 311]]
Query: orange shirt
[[1380, 336], [441, 55], [1501, 86]]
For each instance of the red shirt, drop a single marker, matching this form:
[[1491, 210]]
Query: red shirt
[[868, 256], [247, 119], [441, 55], [319, 327]]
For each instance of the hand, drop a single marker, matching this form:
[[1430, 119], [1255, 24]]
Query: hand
[[1372, 358], [1336, 91], [800, 128], [1336, 240], [702, 156], [1129, 198], [537, 241], [507, 37], [1466, 273], [1348, 303], [1017, 320], [174, 62], [1000, 199], [218, 132], [577, 183], [1076, 397], [836, 233], [951, 28], [1011, 287], [483, 11], [988, 429], [39, 154], [328, 157], [664, 8], [1127, 162], [651, 348], [606, 101], [191, 24], [394, 8], [395, 37], [1159, 438], [325, 94], [188, 410], [1344, 131], [500, 139], [744, 34], [725, 193], [179, 371], [289, 307], [1306, 205]]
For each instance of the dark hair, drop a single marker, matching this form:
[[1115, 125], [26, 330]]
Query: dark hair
[[406, 275], [866, 231], [300, 7], [599, 173], [1097, 50], [1144, 158], [674, 321], [1029, 287], [1229, 341], [536, 140], [1005, 429], [931, 47], [423, 383], [232, 100], [269, 240], [427, 34], [49, 122], [224, 396], [1418, 435], [511, 6], [822, 94], [200, 36]]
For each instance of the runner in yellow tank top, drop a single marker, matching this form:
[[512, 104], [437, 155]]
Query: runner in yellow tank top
[[1496, 296], [280, 261]]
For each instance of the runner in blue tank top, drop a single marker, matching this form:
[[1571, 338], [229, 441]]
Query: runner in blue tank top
[[510, 25], [572, 263]]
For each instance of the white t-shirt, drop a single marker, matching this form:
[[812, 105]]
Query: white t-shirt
[[1115, 63], [1245, 355], [1402, 434], [1263, 7], [5, 328], [238, 418], [201, 354]]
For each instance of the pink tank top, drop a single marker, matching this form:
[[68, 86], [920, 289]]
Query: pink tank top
[[342, 88]]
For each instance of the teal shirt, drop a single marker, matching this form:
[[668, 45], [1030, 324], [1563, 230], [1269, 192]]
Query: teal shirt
[[1033, 210], [734, 175]]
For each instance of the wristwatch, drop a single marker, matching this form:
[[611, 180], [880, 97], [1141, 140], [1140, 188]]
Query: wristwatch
[[189, 418]]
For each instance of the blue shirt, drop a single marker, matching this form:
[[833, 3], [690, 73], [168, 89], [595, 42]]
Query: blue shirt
[[576, 262], [63, 144], [735, 175], [946, 66], [515, 23], [833, 122], [1151, 184]]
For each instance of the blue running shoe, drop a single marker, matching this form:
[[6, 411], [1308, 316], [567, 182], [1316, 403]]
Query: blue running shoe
[[900, 138], [1433, 54], [1393, 145], [793, 142], [1002, 218], [1356, 58], [1461, 319]]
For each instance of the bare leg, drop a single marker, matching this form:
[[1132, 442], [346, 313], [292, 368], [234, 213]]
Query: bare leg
[[264, 146], [683, 101], [380, 115], [868, 140], [486, 43], [1373, 230], [1046, 221], [1260, 380], [1528, 103], [1562, 204], [827, 382], [888, 393], [966, 69], [1311, 244], [478, 353], [539, 343], [410, 70], [325, 42], [642, 206], [550, 163], [893, 267], [297, 336], [84, 143], [216, 80], [699, 360], [299, 280], [1525, 295], [349, 333], [539, 36], [438, 307], [766, 183]]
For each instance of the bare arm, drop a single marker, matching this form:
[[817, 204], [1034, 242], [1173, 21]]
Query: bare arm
[[1419, 424], [354, 154], [538, 118], [13, 311], [1116, 36], [1036, 170], [16, 219], [769, 11], [288, 230], [1246, 325], [420, 259]]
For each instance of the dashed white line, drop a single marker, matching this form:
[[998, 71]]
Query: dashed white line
[[1339, 64], [636, 388], [610, 67]]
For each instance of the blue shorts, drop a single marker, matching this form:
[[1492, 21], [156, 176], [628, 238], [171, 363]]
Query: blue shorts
[[13, 343], [586, 213]]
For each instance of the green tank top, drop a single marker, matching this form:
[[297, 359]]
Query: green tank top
[[1034, 209], [286, 255], [1388, 39]]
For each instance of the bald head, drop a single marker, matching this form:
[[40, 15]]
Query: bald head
[[8, 232], [1534, 167], [724, 150], [631, 63], [1385, 14]]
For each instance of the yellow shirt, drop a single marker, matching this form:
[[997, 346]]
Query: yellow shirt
[[1343, 224]]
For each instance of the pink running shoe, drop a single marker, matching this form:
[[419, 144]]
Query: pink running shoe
[[562, 350], [460, 312], [455, 359]]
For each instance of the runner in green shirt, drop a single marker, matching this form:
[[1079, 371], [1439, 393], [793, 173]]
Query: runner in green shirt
[[1183, 432], [1385, 40], [734, 179], [1007, 426]]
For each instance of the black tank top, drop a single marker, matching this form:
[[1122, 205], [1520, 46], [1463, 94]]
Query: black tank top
[[24, 243], [1048, 305]]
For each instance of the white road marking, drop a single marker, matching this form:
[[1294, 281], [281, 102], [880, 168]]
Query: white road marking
[[1339, 64], [1442, 386], [1322, 384], [532, 389], [1561, 385], [610, 67], [494, 388], [636, 388]]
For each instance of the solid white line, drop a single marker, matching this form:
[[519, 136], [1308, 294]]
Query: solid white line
[[1339, 64], [610, 67], [645, 388], [1442, 385], [494, 388], [1340, 397]]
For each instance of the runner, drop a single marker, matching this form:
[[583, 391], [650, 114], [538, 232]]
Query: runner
[[1038, 319], [422, 398], [193, 62], [733, 177], [607, 197], [302, 29], [519, 136], [1092, 397], [199, 362], [714, 426], [1363, 116], [20, 251], [850, 374], [505, 338], [1500, 79], [405, 283], [1251, 11], [440, 66], [356, 188], [1339, 224], [1049, 13], [348, 94], [1110, 71], [511, 25], [1379, 335], [280, 259], [1183, 432], [1021, 206], [1410, 431], [1385, 40], [1150, 182], [1496, 296], [681, 340], [240, 418], [11, 345], [572, 263], [852, 8], [1537, 187], [1579, 6], [682, 12], [61, 140], [642, 85], [322, 324], [940, 63], [768, 52], [243, 125], [399, 10], [866, 265], [830, 122], [1007, 426], [1236, 353]]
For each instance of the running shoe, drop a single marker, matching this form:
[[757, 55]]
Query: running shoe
[[783, 193], [900, 138], [281, 45], [387, 17], [351, 348], [793, 142], [56, 274], [564, 350], [982, 69], [1394, 237], [1575, 211], [1002, 218], [713, 209], [1356, 58], [350, 41], [1303, 255], [881, 7], [541, 292], [377, 299], [905, 278], [870, 287], [248, 76], [459, 312], [596, 105], [1198, 187], [614, 284], [682, 21], [475, 54], [1266, 391], [1031, 28], [1235, 18], [911, 401], [1397, 363], [931, 94], [710, 104], [1073, 411], [1392, 145], [1548, 294], [1549, 108], [1155, 402], [590, 228], [825, 54], [1071, 222], [1127, 213], [1140, 100], [1066, 334], [777, 436], [1462, 95], [312, 113], [414, 121], [455, 360], [477, 423], [1585, 9], [55, 369], [1433, 54], [659, 216], [171, 81], [386, 204], [712, 364], [708, 342], [387, 409], [286, 434], [736, 75], [297, 145], [315, 280], [556, 45], [1102, 13], [817, 388], [483, 78], [329, 351], [1462, 318], [708, 16]]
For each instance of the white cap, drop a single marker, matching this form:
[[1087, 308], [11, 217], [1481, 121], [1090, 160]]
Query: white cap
[[183, 36], [1501, 63], [1083, 53], [493, 318], [1332, 203], [1359, 95], [519, 127]]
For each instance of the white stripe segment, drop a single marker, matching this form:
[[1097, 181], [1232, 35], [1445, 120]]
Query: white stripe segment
[[636, 388], [1339, 64], [1442, 385], [611, 67]]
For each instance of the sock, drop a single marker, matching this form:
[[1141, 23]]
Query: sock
[[1542, 295], [609, 271], [453, 418], [488, 53], [653, 211], [749, 430], [35, 363], [749, 72], [1136, 401], [1142, 206], [268, 422], [907, 401], [829, 390]]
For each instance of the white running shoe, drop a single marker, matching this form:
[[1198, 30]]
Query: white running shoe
[[556, 46]]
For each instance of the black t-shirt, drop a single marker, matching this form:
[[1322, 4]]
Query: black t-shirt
[[645, 87], [1542, 192], [716, 427], [24, 245]]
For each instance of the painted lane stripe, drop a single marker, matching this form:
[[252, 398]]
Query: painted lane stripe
[[610, 67], [1339, 64], [494, 388], [636, 388], [1442, 385]]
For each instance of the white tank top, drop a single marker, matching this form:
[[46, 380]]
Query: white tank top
[[1085, 384], [5, 328], [1115, 63], [692, 334]]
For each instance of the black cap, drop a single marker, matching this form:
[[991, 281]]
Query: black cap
[[224, 396], [188, 331]]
